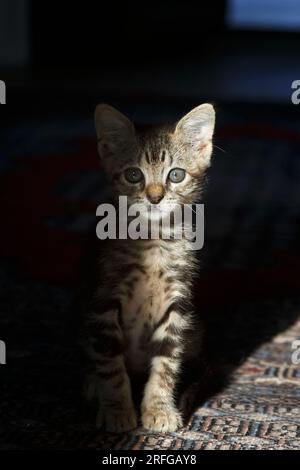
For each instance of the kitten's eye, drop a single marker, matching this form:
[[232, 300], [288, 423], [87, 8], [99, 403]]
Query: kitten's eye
[[133, 175], [177, 175]]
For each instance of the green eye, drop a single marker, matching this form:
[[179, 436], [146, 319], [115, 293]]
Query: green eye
[[177, 175], [133, 175]]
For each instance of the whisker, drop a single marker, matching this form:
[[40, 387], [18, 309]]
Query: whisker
[[217, 147]]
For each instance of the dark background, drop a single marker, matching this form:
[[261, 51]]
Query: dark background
[[51, 51], [155, 61]]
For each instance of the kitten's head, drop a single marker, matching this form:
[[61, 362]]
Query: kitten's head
[[159, 167]]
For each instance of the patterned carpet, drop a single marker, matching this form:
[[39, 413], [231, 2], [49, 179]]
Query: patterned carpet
[[247, 393]]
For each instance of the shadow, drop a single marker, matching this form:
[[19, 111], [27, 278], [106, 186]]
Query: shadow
[[233, 331]]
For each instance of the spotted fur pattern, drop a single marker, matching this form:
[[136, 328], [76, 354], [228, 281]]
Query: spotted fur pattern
[[141, 318]]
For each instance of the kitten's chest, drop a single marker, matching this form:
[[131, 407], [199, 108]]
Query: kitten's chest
[[144, 304], [146, 288]]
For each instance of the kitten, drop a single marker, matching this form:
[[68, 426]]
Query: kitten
[[141, 318]]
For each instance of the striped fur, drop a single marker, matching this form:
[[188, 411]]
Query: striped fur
[[141, 318]]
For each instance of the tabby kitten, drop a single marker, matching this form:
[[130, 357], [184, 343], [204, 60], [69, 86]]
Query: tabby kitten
[[141, 318]]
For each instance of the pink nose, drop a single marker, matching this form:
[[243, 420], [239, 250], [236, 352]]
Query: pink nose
[[154, 199], [155, 193]]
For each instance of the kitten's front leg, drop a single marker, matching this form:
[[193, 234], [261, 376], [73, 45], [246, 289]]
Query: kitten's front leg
[[108, 380], [159, 411]]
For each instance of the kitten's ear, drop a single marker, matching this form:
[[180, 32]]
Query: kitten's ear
[[115, 131], [196, 129]]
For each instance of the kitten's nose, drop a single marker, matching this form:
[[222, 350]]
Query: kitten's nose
[[155, 193]]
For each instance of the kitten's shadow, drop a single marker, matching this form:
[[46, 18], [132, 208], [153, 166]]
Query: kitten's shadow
[[233, 329]]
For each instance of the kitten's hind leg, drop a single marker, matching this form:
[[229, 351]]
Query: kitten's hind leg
[[191, 387], [108, 379]]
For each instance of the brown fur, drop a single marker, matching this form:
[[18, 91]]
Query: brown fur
[[142, 317]]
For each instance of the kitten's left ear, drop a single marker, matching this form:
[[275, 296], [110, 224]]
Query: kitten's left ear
[[196, 129]]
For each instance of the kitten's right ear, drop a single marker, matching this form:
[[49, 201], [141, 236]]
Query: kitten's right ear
[[115, 131]]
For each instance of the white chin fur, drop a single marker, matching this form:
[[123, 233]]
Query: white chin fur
[[158, 211]]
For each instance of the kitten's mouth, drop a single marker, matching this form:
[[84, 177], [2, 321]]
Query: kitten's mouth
[[155, 208], [155, 212], [159, 211]]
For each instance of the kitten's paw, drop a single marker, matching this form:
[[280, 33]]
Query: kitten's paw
[[162, 419], [116, 419]]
